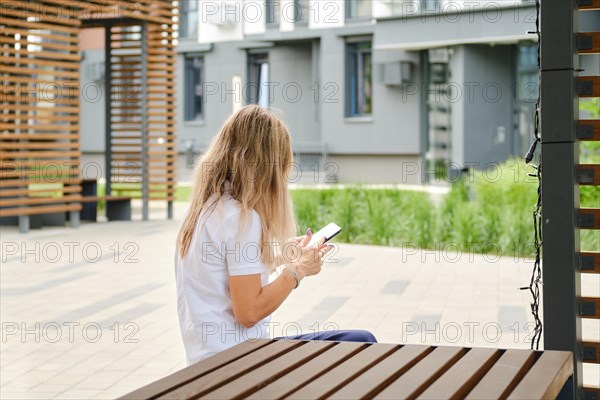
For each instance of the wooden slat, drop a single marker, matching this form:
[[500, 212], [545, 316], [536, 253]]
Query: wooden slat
[[591, 37], [12, 183], [595, 84], [591, 125], [379, 376], [309, 371], [591, 352], [197, 370], [269, 372], [33, 210], [504, 375], [546, 378], [44, 54], [37, 71], [39, 163], [588, 5], [588, 214], [28, 201], [416, 380], [42, 35], [335, 378], [14, 22], [233, 370], [7, 155], [27, 191], [589, 174], [587, 258], [46, 63], [595, 301], [462, 376], [39, 145], [37, 108]]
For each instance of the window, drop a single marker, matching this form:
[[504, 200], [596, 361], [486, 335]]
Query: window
[[526, 93], [258, 79], [188, 18], [272, 12], [193, 91], [527, 73], [430, 5], [301, 12], [358, 9], [359, 89]]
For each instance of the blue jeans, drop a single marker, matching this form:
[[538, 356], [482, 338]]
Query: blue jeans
[[336, 336]]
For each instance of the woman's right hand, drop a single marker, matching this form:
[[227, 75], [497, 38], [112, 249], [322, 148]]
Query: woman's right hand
[[307, 261]]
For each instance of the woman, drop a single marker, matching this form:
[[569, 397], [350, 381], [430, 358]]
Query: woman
[[235, 233]]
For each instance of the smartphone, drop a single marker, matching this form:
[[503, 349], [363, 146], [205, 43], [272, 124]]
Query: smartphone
[[327, 232]]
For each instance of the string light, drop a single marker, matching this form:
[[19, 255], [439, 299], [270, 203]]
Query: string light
[[536, 274]]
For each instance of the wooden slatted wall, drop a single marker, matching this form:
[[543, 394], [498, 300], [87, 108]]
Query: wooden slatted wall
[[39, 122], [161, 112], [589, 175], [39, 131]]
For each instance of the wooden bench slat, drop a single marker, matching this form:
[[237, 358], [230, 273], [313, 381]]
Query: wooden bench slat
[[415, 380], [379, 376], [462, 376], [91, 199], [546, 378], [270, 371], [199, 369], [233, 370], [34, 210], [333, 379], [307, 372], [502, 378]]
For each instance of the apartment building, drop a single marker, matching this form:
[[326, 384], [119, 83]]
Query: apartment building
[[379, 91]]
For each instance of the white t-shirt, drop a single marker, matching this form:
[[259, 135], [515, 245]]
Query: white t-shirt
[[217, 252]]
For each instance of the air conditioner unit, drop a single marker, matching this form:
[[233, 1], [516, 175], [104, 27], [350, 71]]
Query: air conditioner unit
[[395, 73], [227, 15]]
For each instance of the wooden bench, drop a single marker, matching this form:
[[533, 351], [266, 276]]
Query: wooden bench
[[22, 202], [291, 369]]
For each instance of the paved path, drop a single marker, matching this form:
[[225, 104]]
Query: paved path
[[90, 312]]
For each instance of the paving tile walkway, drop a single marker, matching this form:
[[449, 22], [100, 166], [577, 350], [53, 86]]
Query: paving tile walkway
[[90, 312]]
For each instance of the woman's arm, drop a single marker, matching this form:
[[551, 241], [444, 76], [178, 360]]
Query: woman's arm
[[252, 302]]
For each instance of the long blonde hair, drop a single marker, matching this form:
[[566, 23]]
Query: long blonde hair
[[253, 151]]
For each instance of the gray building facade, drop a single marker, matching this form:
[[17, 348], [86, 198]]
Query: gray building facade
[[382, 91]]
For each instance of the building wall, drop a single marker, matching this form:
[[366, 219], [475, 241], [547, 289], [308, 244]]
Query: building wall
[[360, 168], [374, 148], [393, 128], [222, 64], [291, 74]]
